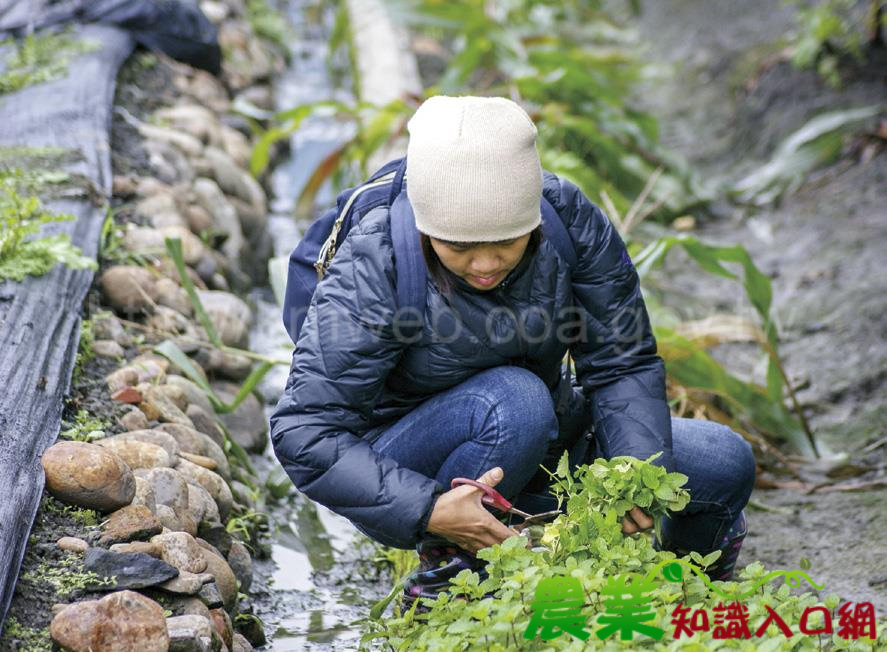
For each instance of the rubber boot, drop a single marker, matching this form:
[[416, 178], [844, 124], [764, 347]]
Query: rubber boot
[[720, 570], [439, 562]]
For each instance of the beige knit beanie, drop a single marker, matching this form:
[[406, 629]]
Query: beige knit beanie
[[473, 172]]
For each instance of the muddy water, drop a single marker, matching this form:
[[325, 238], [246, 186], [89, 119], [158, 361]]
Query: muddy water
[[320, 580], [725, 109]]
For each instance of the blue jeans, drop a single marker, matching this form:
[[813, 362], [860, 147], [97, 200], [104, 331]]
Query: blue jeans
[[505, 417]]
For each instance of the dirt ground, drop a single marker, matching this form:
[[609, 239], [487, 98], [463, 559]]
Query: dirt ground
[[724, 101]]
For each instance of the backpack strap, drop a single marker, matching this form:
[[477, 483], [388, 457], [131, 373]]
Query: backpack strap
[[409, 264], [556, 231]]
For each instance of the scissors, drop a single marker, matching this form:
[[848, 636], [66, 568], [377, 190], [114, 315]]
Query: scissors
[[494, 499]]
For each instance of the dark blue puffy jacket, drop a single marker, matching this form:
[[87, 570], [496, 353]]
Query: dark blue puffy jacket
[[351, 372]]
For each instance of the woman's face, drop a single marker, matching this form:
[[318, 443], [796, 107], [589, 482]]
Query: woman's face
[[483, 265]]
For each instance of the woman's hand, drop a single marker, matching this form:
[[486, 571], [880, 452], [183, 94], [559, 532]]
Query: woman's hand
[[460, 516], [635, 521]]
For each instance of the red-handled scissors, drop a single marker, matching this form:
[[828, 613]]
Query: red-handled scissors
[[493, 498]]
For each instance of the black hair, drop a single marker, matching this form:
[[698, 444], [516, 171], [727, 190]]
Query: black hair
[[442, 277]]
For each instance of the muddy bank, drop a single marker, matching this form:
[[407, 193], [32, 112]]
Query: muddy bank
[[724, 100]]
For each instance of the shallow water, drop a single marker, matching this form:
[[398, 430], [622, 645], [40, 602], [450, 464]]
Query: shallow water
[[320, 580]]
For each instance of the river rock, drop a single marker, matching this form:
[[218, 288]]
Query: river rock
[[167, 162], [197, 121], [233, 180], [212, 482], [189, 634], [188, 439], [199, 219], [156, 437], [192, 246], [211, 596], [107, 327], [87, 475], [129, 289], [144, 547], [108, 349], [193, 394], [175, 394], [134, 419], [184, 142], [137, 454], [159, 198], [210, 197], [253, 220], [236, 145], [168, 320], [172, 295], [200, 460], [150, 367], [225, 579], [240, 644], [123, 377], [185, 584], [222, 623], [120, 622], [206, 424], [144, 494], [241, 564], [170, 489], [174, 521], [156, 402], [130, 522], [72, 544], [230, 316], [144, 241], [181, 550], [127, 395], [221, 363], [132, 570], [247, 423], [202, 505]]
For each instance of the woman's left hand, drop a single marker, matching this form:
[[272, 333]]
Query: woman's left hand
[[636, 521]]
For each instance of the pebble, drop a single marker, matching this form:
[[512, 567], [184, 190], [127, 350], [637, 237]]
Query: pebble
[[72, 544], [121, 622], [211, 199], [132, 570], [128, 523], [128, 289], [240, 644], [221, 363], [157, 405], [87, 475], [123, 377], [108, 349], [171, 491], [108, 327], [189, 633], [145, 547], [222, 623], [247, 423], [156, 437], [144, 494], [134, 419], [181, 550], [137, 454], [226, 581], [229, 314], [212, 482], [206, 424], [241, 564], [127, 395], [172, 295], [194, 395], [185, 584], [202, 506]]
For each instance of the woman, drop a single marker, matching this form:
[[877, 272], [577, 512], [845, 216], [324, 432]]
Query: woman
[[374, 425]]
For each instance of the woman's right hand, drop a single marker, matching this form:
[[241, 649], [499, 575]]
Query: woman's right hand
[[460, 516]]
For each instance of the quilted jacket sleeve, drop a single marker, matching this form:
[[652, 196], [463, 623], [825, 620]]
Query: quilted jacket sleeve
[[345, 351], [616, 361]]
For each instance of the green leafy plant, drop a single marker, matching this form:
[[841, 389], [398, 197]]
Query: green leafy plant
[[586, 543], [39, 58], [22, 255], [84, 428], [826, 33], [67, 576], [268, 23], [31, 638]]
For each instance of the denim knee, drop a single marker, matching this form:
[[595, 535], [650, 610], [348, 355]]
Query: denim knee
[[523, 402], [738, 478]]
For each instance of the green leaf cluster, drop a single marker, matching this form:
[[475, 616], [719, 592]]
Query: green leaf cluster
[[38, 58], [22, 217], [587, 543], [825, 33]]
